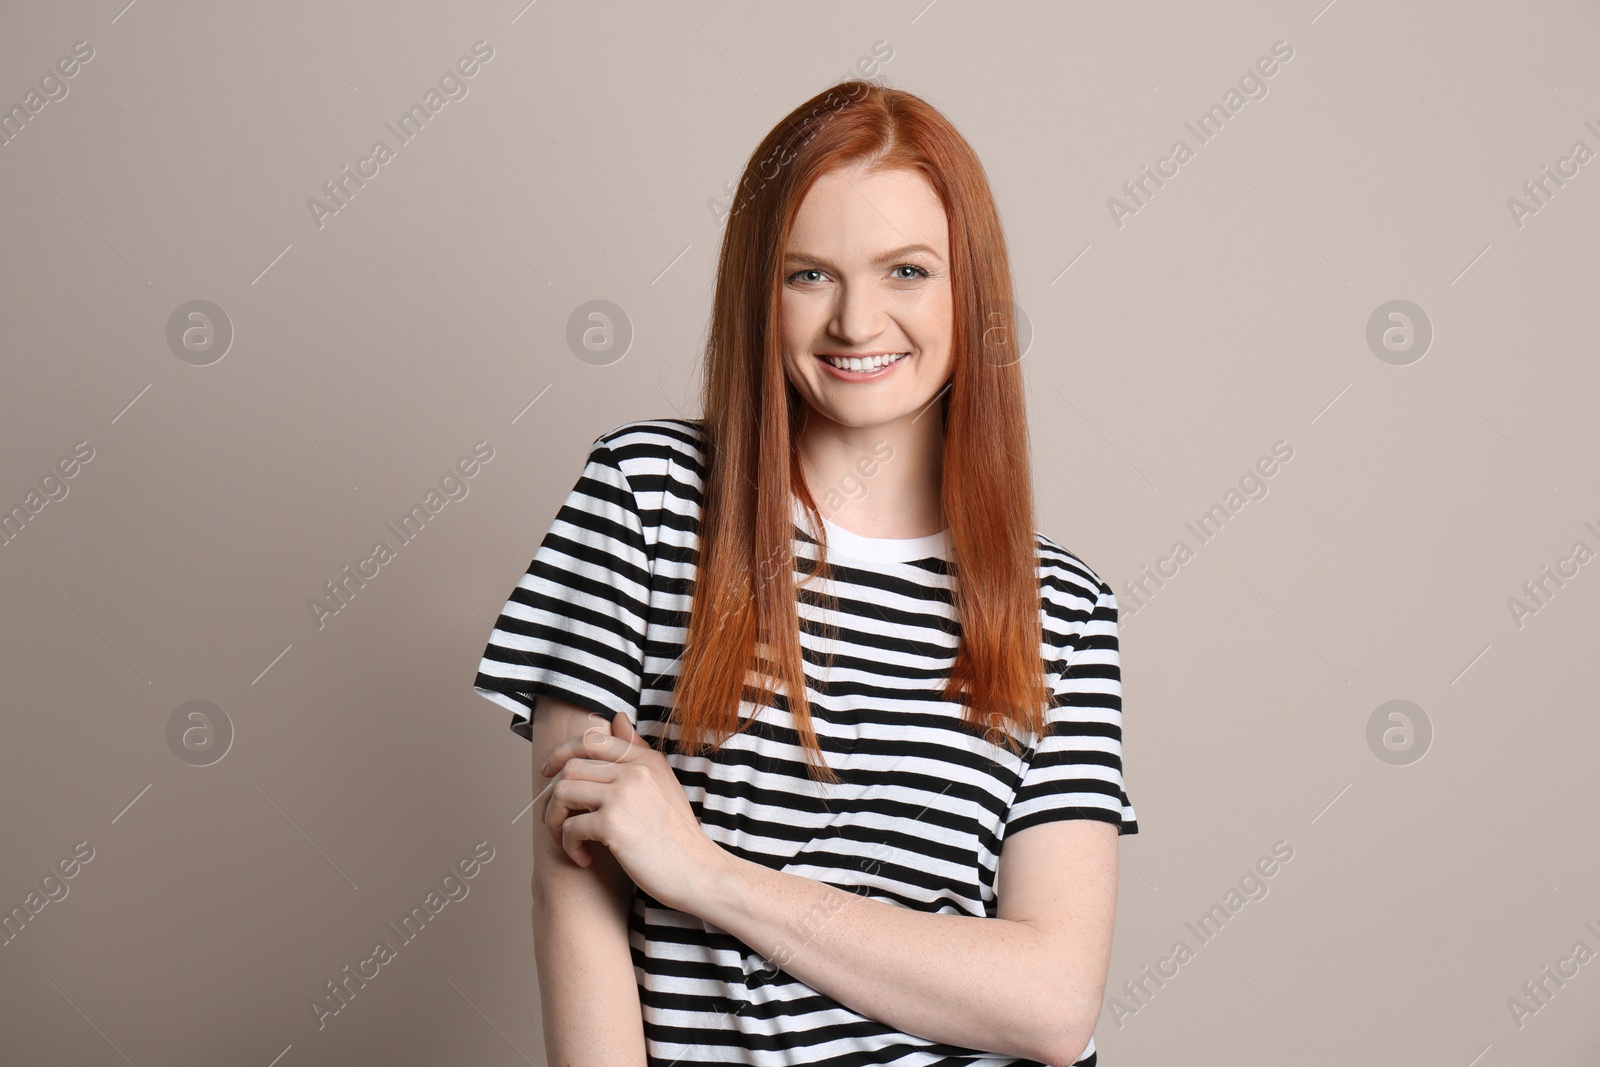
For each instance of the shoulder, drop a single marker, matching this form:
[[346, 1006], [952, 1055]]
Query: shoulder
[[652, 447], [1071, 592], [662, 465]]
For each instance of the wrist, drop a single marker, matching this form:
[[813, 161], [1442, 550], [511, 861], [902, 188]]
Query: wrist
[[717, 882]]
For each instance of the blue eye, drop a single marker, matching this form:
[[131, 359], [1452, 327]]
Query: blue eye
[[920, 272]]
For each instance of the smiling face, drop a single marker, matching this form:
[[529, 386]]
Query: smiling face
[[866, 274]]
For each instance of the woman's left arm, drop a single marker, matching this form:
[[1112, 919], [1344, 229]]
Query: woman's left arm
[[1027, 983]]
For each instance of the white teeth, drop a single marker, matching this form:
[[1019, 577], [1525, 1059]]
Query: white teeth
[[870, 363]]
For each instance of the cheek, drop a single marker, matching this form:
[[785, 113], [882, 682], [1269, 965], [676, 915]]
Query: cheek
[[792, 324], [932, 331], [934, 316]]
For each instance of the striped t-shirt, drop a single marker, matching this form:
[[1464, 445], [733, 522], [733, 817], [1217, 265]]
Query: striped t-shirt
[[925, 801]]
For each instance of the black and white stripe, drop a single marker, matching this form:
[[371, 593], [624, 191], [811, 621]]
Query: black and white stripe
[[925, 802]]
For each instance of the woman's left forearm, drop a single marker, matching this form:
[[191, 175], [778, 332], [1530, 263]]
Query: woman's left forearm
[[990, 984]]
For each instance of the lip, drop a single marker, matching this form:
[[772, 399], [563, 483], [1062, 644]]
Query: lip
[[856, 375]]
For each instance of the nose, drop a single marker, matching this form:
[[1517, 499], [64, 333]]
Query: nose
[[858, 314]]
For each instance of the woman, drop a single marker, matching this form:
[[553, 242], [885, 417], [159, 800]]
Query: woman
[[802, 666]]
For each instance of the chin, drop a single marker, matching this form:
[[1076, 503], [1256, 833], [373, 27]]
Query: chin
[[861, 416]]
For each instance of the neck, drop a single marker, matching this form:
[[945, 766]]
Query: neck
[[876, 481]]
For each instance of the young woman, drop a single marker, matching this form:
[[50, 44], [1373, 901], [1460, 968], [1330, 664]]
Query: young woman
[[828, 743]]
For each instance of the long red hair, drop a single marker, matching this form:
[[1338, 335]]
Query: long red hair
[[745, 593]]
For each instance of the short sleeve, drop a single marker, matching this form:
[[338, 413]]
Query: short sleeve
[[574, 626], [1076, 767]]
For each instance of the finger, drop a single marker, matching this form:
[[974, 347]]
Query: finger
[[555, 822], [594, 743], [573, 796], [578, 768], [577, 830], [622, 728], [589, 770], [567, 749]]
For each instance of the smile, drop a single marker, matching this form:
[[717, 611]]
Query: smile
[[857, 368]]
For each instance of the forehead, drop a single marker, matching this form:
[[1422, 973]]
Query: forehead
[[852, 214]]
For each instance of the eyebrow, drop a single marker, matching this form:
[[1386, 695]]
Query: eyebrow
[[897, 253]]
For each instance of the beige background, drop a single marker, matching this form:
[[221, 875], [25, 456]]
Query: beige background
[[370, 354]]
